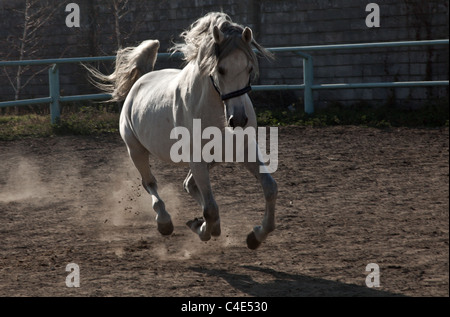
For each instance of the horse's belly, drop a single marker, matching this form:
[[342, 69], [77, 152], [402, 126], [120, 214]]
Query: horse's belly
[[153, 132]]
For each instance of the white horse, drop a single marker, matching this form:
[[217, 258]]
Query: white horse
[[212, 87]]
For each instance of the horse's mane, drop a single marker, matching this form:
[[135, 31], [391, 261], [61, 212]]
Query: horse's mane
[[199, 45]]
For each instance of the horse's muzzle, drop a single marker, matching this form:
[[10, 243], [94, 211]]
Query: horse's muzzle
[[238, 121]]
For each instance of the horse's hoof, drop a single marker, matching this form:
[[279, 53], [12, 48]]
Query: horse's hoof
[[252, 242], [195, 224], [165, 228], [216, 231]]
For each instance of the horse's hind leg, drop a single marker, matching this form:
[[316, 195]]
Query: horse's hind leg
[[198, 182], [140, 157], [191, 187]]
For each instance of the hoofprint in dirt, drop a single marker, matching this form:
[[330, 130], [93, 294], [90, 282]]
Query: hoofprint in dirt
[[348, 196]]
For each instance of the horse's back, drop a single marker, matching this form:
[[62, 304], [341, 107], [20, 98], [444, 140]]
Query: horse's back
[[154, 85]]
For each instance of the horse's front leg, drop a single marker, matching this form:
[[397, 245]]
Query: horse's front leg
[[270, 188], [210, 223]]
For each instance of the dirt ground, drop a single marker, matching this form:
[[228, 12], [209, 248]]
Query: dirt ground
[[348, 196]]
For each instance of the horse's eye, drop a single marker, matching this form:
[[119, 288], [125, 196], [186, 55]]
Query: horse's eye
[[221, 71], [251, 70]]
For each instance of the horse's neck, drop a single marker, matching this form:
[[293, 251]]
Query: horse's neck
[[201, 100], [195, 84]]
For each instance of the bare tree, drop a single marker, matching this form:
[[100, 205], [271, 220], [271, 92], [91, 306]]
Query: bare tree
[[122, 8], [26, 42], [119, 10]]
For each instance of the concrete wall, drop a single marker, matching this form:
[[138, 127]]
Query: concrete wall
[[275, 23]]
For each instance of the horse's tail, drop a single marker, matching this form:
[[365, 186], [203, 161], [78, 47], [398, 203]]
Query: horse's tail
[[131, 64]]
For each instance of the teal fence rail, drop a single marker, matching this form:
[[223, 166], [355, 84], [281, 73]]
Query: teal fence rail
[[54, 98]]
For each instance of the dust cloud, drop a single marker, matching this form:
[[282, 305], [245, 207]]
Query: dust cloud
[[110, 205], [23, 182]]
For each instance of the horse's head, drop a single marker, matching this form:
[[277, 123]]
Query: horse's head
[[224, 51], [231, 77]]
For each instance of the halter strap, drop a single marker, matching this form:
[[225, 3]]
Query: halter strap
[[233, 94]]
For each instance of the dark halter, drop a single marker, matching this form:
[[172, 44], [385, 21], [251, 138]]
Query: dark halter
[[233, 94]]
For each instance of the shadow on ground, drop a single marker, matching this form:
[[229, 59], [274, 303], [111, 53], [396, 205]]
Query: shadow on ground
[[281, 284]]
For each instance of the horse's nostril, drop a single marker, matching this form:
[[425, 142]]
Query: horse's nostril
[[245, 121], [231, 122]]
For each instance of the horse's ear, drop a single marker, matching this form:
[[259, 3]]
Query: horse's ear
[[218, 35], [247, 35]]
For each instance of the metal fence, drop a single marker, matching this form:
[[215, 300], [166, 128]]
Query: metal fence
[[54, 98]]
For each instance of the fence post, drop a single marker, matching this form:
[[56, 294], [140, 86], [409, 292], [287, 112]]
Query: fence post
[[308, 77], [53, 79]]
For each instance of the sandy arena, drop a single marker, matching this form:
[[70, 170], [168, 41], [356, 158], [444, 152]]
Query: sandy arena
[[348, 196]]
